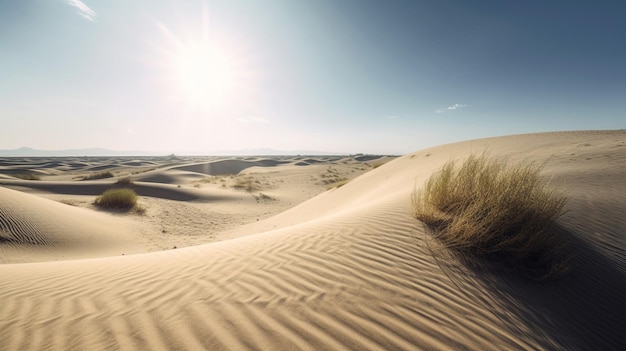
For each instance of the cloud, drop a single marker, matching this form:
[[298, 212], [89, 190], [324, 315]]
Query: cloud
[[450, 108], [392, 117], [254, 119], [83, 9]]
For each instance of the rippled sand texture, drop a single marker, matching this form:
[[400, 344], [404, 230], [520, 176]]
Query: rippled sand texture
[[349, 269]]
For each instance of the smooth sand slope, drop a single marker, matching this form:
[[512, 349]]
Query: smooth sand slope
[[37, 229], [349, 269]]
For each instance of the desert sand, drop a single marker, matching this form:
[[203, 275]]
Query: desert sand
[[299, 253]]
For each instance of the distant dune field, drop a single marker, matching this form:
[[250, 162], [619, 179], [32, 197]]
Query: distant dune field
[[298, 253]]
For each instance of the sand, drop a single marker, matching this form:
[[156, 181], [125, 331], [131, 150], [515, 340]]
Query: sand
[[345, 268]]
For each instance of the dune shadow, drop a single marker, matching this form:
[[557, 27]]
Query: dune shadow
[[582, 310], [156, 190]]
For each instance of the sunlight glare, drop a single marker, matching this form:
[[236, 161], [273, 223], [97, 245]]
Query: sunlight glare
[[204, 74]]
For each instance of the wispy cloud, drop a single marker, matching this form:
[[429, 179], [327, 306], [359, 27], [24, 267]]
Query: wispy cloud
[[450, 108], [83, 9], [254, 119]]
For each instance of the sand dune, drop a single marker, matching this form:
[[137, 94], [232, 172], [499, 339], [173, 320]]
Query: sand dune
[[350, 269], [169, 176], [234, 166], [36, 229]]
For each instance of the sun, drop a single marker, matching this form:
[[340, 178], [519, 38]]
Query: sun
[[205, 68], [204, 73]]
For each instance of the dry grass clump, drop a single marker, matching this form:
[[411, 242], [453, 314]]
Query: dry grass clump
[[247, 183], [333, 178], [487, 208], [99, 175], [338, 183], [125, 181], [376, 164], [28, 176], [118, 199]]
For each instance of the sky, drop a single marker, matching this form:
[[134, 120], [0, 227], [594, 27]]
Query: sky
[[346, 76]]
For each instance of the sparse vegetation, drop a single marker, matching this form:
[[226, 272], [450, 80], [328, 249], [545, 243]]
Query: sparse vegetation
[[339, 183], [247, 183], [144, 170], [332, 178], [377, 164], [119, 199], [489, 209], [28, 176], [99, 175], [125, 181], [68, 202], [263, 197]]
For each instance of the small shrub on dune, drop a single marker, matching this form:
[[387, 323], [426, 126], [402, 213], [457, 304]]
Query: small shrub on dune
[[487, 208], [248, 184], [119, 199], [28, 176], [125, 181], [99, 175]]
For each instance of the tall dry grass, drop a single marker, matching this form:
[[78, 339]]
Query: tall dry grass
[[120, 199], [484, 207]]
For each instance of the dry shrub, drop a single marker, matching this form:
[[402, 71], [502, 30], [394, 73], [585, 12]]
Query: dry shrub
[[119, 199], [247, 183], [28, 176], [125, 181], [99, 175], [487, 208]]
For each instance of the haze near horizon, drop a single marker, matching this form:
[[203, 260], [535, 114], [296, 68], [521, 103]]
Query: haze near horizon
[[351, 76]]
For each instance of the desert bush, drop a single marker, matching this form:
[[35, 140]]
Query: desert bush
[[99, 175], [248, 184], [121, 199], [28, 176], [487, 208], [125, 181]]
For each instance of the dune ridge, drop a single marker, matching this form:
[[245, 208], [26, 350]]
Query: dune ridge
[[349, 269]]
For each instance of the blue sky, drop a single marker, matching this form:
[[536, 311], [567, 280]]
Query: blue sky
[[328, 75]]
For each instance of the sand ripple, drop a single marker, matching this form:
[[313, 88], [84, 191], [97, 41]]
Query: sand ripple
[[348, 270]]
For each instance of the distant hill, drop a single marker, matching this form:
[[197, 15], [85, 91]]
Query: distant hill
[[272, 152], [30, 152]]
